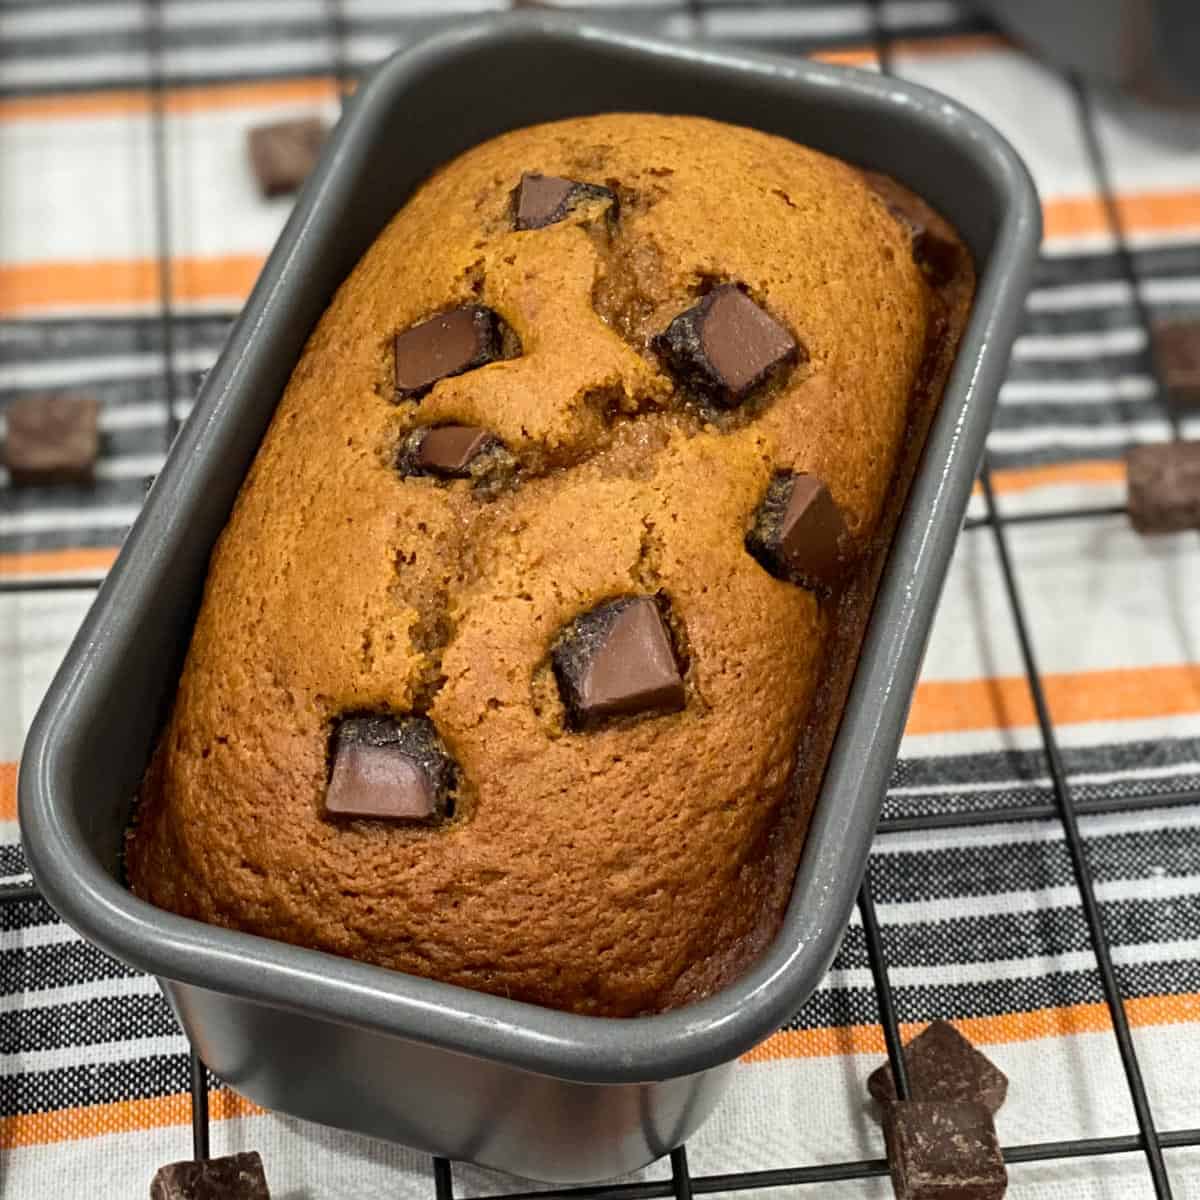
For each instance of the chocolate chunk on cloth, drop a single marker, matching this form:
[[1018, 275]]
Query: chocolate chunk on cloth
[[236, 1177], [51, 438], [541, 200], [390, 769], [283, 154], [1164, 487], [617, 660], [725, 346], [943, 1065], [943, 1151], [449, 344], [1176, 348], [799, 534]]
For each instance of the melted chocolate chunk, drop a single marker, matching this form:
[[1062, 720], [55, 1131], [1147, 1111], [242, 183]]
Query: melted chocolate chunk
[[617, 660], [725, 346], [455, 341], [51, 438], [943, 1151], [541, 200], [943, 1065], [284, 154], [1164, 487], [1176, 347], [937, 256], [799, 533], [390, 769], [236, 1177]]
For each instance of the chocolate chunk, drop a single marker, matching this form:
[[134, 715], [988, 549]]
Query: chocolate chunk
[[236, 1177], [390, 769], [937, 256], [458, 452], [617, 660], [1177, 349], [449, 344], [51, 438], [1164, 487], [799, 533], [449, 449], [284, 154], [943, 1065], [725, 346], [943, 1151], [541, 200]]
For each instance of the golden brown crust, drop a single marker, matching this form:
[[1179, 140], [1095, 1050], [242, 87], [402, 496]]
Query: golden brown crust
[[613, 872]]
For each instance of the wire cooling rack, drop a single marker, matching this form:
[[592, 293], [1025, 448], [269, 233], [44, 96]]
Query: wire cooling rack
[[1066, 808]]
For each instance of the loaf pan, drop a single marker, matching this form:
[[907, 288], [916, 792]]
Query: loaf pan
[[539, 1093]]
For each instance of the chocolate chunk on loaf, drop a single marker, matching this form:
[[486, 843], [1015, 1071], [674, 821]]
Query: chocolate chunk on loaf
[[521, 654]]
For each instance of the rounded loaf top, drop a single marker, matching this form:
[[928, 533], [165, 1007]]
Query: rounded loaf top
[[513, 662]]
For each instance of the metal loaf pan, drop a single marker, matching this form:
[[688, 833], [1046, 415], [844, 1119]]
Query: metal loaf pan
[[475, 1077]]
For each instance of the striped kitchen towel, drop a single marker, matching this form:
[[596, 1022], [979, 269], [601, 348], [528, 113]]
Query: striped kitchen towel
[[982, 923]]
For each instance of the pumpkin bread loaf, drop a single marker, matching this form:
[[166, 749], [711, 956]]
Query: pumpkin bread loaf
[[520, 656]]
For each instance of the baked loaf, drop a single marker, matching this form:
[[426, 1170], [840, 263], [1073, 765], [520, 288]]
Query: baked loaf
[[538, 703]]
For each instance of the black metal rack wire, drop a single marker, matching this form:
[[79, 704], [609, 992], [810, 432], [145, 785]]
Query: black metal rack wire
[[1066, 808]]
